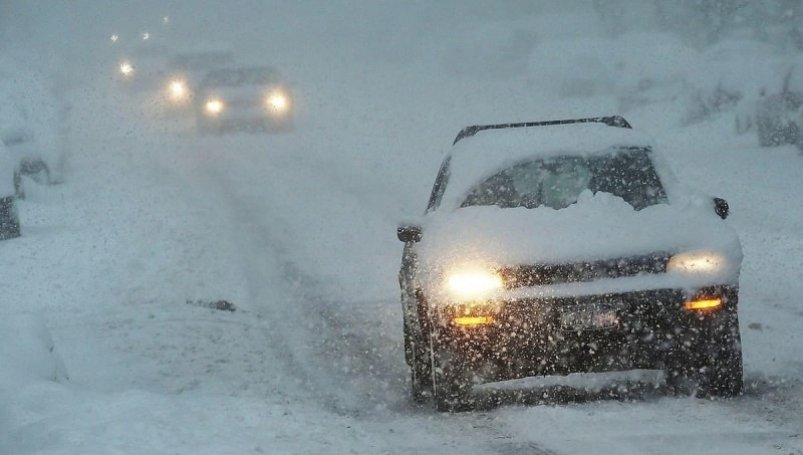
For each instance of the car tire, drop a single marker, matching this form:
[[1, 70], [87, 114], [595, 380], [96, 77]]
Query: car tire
[[713, 365], [420, 374], [9, 219], [416, 353], [451, 381]]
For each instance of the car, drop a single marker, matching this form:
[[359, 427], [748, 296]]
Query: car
[[9, 217], [555, 247], [26, 152], [32, 117], [186, 69], [246, 98]]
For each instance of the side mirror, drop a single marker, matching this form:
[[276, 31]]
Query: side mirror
[[409, 233], [721, 207]]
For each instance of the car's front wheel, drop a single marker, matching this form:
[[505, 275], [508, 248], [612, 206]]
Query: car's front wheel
[[712, 365], [418, 358], [451, 380]]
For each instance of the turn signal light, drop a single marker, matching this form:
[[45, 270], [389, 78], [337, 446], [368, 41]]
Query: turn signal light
[[703, 304], [471, 321]]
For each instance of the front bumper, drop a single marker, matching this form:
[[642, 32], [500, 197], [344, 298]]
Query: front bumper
[[529, 337]]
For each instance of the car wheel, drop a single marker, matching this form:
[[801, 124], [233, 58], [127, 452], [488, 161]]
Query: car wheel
[[713, 364], [418, 358], [451, 381], [9, 219], [420, 374]]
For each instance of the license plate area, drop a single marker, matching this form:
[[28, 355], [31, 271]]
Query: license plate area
[[589, 316]]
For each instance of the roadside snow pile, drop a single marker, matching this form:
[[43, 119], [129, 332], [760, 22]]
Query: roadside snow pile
[[642, 69], [27, 354]]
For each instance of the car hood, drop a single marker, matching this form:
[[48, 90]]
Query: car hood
[[600, 226]]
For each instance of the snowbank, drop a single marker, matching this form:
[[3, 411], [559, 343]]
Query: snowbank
[[27, 353]]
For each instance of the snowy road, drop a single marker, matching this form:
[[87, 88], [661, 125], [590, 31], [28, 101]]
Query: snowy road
[[297, 230]]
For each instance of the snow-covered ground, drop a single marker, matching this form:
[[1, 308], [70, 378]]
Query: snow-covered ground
[[108, 282]]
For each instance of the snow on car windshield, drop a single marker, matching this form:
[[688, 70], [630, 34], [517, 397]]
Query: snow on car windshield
[[557, 182]]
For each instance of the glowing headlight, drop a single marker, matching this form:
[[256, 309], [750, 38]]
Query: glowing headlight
[[177, 90], [697, 262], [278, 101], [126, 68], [474, 283], [214, 106]]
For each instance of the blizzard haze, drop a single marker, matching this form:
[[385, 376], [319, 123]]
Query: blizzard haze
[[109, 337]]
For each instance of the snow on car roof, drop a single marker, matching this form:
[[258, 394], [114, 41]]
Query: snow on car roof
[[480, 156]]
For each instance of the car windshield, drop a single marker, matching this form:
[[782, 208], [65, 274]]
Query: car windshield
[[557, 182], [239, 77]]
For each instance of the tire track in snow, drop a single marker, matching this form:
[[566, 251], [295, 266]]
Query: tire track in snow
[[342, 358]]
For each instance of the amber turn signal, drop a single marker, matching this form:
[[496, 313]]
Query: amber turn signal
[[703, 304], [470, 321]]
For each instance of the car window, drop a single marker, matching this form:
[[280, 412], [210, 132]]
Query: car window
[[557, 182]]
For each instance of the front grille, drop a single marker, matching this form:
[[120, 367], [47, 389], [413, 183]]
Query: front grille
[[545, 274]]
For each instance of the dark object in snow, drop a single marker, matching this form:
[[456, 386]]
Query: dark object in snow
[[778, 115], [221, 305], [9, 219], [778, 119], [618, 310]]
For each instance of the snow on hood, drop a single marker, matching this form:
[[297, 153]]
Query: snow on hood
[[598, 226]]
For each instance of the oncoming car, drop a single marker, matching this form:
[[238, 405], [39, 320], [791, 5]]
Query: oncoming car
[[567, 246], [253, 98], [186, 69]]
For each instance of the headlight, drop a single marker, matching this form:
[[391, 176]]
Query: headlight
[[697, 262], [177, 90], [126, 68], [214, 106], [278, 102], [473, 283]]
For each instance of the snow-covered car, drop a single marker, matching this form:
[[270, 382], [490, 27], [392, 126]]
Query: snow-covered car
[[25, 151], [9, 219], [249, 98], [32, 118], [567, 246]]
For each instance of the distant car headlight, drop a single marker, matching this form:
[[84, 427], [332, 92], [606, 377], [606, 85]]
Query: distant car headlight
[[473, 283], [278, 102], [177, 90], [697, 262], [126, 68], [214, 106]]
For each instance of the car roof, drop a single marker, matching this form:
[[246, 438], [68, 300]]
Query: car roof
[[232, 77], [612, 120]]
